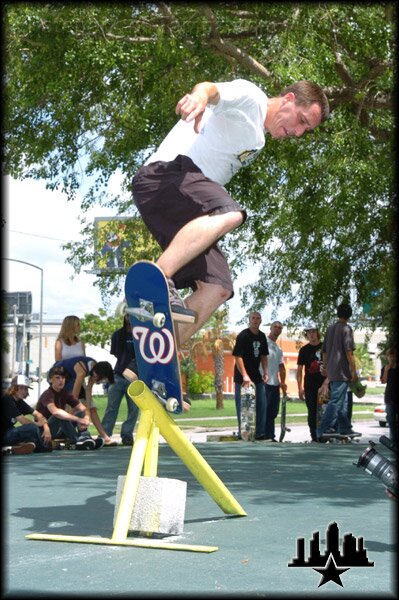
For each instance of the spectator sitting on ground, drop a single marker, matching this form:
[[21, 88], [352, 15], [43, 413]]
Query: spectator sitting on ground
[[53, 405], [77, 369], [30, 435]]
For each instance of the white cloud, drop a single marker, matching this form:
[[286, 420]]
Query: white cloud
[[38, 221]]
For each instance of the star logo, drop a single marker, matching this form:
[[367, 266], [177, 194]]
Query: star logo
[[330, 572]]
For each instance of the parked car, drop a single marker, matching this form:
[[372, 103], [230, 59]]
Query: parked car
[[380, 414]]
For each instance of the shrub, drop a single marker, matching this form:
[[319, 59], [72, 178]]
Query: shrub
[[200, 383]]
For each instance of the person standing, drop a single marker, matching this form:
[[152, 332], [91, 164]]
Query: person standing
[[250, 351], [390, 376], [276, 380], [309, 376], [68, 343], [180, 192], [339, 365], [125, 371]]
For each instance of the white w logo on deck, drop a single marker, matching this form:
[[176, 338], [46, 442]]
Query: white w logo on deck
[[158, 347]]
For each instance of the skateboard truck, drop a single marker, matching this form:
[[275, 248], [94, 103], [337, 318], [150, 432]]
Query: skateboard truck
[[146, 313], [159, 391]]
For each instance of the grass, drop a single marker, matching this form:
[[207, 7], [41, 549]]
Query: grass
[[203, 413]]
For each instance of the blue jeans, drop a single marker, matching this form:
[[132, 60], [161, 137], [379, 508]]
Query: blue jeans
[[260, 407], [392, 419], [25, 433], [116, 391], [68, 428], [336, 409], [272, 406]]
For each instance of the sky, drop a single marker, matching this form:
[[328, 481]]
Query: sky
[[38, 221]]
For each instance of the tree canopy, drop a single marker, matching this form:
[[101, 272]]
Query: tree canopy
[[91, 90]]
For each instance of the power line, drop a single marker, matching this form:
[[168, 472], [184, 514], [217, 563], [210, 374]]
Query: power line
[[45, 237]]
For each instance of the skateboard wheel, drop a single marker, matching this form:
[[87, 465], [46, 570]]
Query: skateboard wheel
[[171, 404], [120, 310], [159, 320]]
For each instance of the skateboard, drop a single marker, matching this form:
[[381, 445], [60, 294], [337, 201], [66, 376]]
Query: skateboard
[[358, 389], [284, 427], [248, 413], [154, 338], [65, 444], [340, 438]]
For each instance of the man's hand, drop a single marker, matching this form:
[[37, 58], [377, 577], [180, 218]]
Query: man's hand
[[46, 435], [84, 421], [246, 381], [192, 107]]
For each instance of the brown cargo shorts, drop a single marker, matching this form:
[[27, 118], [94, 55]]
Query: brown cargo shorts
[[170, 194]]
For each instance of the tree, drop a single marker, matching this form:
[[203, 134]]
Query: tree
[[214, 338], [90, 91], [363, 361], [98, 329]]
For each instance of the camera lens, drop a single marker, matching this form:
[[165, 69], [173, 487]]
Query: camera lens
[[380, 467]]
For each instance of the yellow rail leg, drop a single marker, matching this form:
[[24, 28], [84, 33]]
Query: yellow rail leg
[[135, 467], [176, 439], [151, 455]]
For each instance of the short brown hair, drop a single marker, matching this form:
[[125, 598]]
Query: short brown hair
[[307, 93]]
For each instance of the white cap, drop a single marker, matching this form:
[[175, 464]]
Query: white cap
[[311, 326], [22, 380]]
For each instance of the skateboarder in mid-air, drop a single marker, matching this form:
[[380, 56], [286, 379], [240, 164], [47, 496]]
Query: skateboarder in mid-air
[[179, 191]]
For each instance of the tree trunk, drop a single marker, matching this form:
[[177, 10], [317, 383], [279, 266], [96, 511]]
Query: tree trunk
[[219, 399], [219, 373]]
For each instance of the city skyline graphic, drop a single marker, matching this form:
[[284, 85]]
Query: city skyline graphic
[[329, 564]]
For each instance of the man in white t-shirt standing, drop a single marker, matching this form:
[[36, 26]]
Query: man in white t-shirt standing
[[276, 380], [179, 191]]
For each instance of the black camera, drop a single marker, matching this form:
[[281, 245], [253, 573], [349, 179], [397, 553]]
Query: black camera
[[380, 467]]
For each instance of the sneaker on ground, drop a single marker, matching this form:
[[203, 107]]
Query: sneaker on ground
[[127, 441], [85, 442], [186, 399], [23, 448], [180, 312], [99, 443]]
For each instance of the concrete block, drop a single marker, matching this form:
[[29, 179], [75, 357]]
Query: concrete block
[[160, 505]]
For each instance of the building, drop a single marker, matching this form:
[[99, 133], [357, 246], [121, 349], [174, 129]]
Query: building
[[290, 346], [24, 340]]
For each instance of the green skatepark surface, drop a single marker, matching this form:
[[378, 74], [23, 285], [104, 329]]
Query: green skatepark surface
[[288, 490]]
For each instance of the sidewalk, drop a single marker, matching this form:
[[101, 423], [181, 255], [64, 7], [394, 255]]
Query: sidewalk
[[299, 433]]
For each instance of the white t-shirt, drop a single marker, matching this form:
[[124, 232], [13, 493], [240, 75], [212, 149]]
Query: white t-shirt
[[274, 360], [232, 132]]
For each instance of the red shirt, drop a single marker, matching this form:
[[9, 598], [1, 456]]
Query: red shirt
[[60, 399]]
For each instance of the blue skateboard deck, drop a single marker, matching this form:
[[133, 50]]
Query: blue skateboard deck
[[147, 298]]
